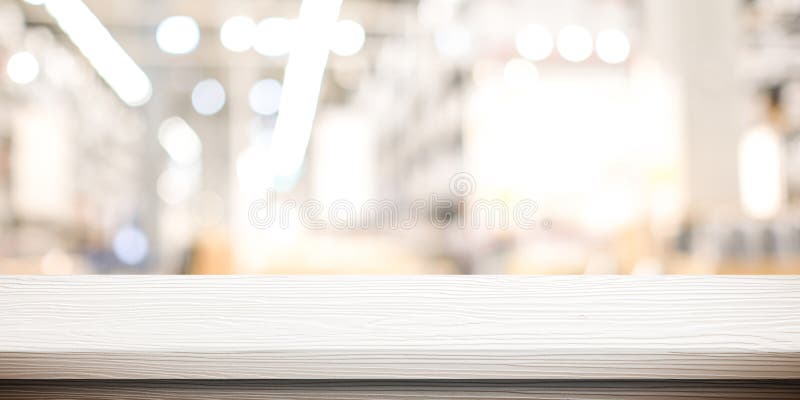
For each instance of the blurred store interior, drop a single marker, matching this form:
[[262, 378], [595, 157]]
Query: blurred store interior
[[655, 137]]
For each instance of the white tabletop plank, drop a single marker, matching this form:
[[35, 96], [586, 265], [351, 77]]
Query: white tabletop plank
[[422, 327]]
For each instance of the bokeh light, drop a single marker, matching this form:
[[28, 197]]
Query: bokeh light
[[534, 42], [178, 35], [574, 43], [265, 97], [131, 245], [180, 141], [237, 33], [22, 68], [348, 38], [208, 97], [613, 46]]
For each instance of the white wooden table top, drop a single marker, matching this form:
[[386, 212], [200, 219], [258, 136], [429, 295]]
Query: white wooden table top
[[416, 327]]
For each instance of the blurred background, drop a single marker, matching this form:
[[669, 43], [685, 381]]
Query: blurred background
[[654, 136]]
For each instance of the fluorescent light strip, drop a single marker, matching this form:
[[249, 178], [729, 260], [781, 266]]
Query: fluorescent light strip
[[107, 57], [301, 85]]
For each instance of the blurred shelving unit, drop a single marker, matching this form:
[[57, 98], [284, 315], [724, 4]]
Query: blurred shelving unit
[[70, 151], [768, 242]]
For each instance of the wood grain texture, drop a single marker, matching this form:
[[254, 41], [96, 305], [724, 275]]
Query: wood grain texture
[[396, 390], [480, 327]]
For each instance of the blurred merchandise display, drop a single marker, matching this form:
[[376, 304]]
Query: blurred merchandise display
[[369, 136]]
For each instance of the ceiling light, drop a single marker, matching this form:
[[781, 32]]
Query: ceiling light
[[613, 46], [574, 43], [103, 52], [208, 97], [348, 38], [301, 85], [534, 42], [178, 35], [22, 68], [237, 33]]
